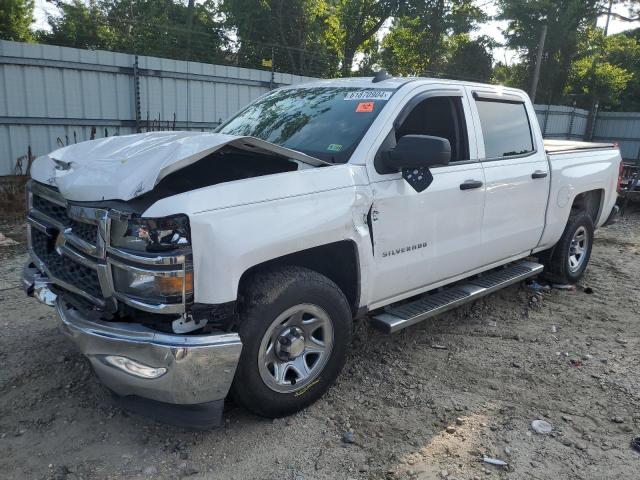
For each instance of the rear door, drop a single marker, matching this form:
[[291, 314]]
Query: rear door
[[516, 175]]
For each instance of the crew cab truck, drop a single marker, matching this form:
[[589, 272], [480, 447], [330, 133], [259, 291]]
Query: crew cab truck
[[187, 266]]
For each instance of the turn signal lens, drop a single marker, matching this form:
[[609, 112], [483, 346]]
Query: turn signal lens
[[173, 285]]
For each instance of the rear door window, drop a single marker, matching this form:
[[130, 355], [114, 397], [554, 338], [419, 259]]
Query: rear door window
[[505, 128]]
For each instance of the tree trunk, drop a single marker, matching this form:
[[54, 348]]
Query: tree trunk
[[347, 61]]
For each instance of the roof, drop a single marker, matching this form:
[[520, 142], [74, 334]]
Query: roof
[[395, 83]]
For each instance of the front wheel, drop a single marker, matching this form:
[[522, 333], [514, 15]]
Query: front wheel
[[295, 326], [571, 254]]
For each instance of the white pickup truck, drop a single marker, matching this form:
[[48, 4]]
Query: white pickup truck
[[187, 266]]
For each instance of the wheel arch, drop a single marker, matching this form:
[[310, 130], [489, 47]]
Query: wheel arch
[[591, 202], [338, 261]]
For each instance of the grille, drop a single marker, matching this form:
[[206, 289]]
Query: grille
[[50, 209], [63, 267], [84, 231]]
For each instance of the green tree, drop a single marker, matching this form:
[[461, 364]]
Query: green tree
[[607, 68], [358, 22], [146, 27], [80, 25], [432, 36], [16, 17], [297, 34], [566, 21]]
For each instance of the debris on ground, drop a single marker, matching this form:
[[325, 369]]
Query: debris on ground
[[494, 461], [576, 362], [538, 287], [541, 427], [635, 443], [348, 437], [438, 347], [6, 241], [566, 286]]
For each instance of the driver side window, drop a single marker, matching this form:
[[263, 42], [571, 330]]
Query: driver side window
[[439, 117]]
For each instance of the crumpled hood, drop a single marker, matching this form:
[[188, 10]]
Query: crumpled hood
[[124, 167]]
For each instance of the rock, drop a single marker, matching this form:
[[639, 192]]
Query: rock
[[617, 419], [188, 470], [516, 365], [151, 470], [60, 472], [566, 442], [451, 429], [444, 474], [541, 427], [507, 451], [580, 446], [459, 421], [289, 422], [622, 341], [348, 437]]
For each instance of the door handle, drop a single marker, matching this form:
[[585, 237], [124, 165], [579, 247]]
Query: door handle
[[539, 174], [470, 184]]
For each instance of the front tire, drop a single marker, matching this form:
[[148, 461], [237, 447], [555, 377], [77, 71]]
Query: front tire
[[295, 326], [569, 258]]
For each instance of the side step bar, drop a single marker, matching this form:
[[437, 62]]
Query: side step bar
[[403, 315]]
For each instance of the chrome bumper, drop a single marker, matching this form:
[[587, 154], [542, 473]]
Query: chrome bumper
[[133, 360]]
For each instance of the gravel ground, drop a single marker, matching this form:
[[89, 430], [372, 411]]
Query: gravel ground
[[427, 403]]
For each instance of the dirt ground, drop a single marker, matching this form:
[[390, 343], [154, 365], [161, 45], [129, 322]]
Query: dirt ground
[[427, 403]]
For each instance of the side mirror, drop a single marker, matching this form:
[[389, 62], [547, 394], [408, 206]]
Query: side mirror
[[414, 155], [417, 151]]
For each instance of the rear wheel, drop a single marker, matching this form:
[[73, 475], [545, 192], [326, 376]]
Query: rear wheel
[[569, 258], [295, 327]]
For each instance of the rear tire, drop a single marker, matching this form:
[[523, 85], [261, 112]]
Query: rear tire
[[295, 326], [568, 260]]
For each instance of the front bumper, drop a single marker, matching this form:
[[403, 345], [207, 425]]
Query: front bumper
[[133, 360]]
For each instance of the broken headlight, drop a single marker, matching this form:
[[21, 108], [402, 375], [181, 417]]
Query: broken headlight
[[151, 234]]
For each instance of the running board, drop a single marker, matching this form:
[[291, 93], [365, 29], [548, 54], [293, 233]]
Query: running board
[[395, 318]]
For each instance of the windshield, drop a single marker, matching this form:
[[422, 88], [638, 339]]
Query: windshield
[[323, 122]]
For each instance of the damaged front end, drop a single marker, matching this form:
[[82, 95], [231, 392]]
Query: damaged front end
[[122, 282], [123, 288]]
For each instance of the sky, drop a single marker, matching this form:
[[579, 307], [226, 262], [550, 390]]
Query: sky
[[492, 28]]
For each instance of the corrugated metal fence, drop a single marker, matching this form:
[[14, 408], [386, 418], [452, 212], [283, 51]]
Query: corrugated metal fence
[[571, 123], [52, 96]]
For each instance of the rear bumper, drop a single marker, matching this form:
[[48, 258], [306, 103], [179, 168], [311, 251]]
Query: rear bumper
[[135, 361]]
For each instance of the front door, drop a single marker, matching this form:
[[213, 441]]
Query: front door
[[422, 238]]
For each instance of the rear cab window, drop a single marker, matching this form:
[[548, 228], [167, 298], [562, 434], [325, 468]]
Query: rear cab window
[[505, 126]]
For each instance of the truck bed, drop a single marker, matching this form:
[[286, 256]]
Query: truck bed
[[564, 146]]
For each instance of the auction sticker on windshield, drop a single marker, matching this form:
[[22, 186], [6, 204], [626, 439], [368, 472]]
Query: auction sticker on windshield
[[369, 95], [364, 107]]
